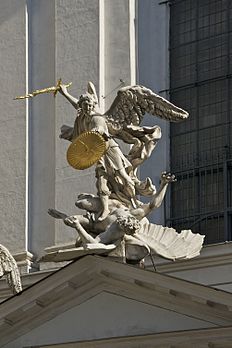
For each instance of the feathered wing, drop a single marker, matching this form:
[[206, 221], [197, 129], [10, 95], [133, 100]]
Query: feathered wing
[[8, 267], [129, 107], [132, 102], [166, 242]]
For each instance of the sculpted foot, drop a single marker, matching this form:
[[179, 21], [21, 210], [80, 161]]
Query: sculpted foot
[[104, 215]]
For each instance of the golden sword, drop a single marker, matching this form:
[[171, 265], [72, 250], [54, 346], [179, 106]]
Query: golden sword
[[53, 90]]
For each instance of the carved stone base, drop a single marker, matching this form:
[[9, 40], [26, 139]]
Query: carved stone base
[[25, 261], [73, 253]]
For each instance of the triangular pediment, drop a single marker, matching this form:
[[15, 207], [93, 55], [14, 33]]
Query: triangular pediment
[[95, 297]]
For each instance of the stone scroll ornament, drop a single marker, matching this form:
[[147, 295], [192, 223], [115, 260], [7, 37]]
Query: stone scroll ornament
[[9, 269], [115, 220]]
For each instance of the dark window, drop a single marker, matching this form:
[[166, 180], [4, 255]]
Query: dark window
[[201, 147]]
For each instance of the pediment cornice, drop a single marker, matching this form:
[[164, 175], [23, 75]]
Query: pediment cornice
[[91, 275]]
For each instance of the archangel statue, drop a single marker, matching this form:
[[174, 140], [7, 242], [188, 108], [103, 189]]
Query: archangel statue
[[115, 220]]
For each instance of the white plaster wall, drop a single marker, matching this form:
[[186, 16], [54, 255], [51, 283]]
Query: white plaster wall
[[118, 61], [41, 73], [119, 316], [13, 116], [153, 72]]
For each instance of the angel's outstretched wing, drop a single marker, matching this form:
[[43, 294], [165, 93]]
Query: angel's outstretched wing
[[133, 102], [9, 268]]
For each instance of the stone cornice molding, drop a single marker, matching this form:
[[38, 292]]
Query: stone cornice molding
[[28, 279], [91, 275], [215, 338], [211, 256]]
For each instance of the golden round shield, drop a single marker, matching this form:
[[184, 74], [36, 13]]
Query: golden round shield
[[86, 150]]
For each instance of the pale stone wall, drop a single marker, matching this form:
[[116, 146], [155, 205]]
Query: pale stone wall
[[13, 130], [42, 123]]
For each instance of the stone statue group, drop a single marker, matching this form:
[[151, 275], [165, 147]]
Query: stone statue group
[[115, 220]]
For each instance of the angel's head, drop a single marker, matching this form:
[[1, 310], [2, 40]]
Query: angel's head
[[88, 101]]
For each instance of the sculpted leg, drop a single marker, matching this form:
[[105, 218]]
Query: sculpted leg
[[103, 192], [89, 203], [67, 219], [105, 207]]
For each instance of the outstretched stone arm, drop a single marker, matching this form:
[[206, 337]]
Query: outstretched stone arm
[[85, 237], [159, 196], [157, 199], [70, 220], [63, 90]]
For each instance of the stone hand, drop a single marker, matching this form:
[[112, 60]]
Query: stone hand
[[63, 89], [166, 178], [71, 221]]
